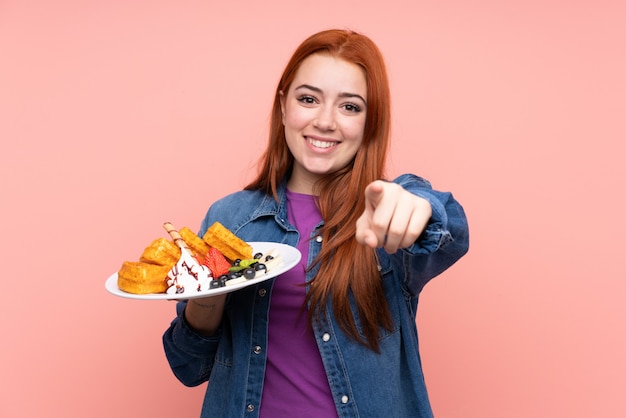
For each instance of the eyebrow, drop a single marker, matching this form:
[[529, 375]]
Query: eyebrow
[[318, 90]]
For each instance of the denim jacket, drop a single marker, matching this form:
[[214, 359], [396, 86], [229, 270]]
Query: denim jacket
[[363, 383]]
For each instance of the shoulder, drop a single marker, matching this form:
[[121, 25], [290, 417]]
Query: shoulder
[[240, 198], [236, 209]]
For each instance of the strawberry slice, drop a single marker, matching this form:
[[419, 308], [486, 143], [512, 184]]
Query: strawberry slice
[[216, 262]]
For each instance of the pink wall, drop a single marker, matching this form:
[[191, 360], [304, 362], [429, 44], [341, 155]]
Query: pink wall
[[116, 116]]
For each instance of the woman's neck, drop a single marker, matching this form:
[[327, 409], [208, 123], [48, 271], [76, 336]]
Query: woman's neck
[[301, 184]]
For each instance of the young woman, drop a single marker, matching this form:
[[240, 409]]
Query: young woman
[[336, 335]]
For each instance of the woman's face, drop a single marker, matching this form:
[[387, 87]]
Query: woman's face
[[324, 117]]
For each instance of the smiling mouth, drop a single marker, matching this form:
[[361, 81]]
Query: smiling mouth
[[318, 143]]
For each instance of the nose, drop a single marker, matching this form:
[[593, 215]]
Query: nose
[[325, 119]]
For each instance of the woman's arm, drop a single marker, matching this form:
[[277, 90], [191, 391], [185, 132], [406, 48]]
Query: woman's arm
[[429, 226], [204, 315], [190, 352]]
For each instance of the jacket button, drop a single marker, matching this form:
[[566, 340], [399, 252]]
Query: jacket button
[[257, 349], [344, 399], [262, 292], [326, 337], [250, 408], [319, 238]]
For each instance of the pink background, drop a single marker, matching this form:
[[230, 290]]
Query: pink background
[[116, 116]]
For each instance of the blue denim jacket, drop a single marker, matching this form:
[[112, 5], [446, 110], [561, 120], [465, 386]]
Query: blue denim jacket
[[363, 383]]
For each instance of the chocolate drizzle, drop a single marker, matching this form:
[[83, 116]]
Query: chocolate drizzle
[[195, 275]]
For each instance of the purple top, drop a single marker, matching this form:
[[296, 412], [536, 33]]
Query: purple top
[[295, 381]]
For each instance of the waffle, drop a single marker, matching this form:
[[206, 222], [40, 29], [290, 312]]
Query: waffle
[[161, 251], [141, 278], [233, 248]]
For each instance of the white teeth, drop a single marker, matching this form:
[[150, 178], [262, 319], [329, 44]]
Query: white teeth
[[320, 144]]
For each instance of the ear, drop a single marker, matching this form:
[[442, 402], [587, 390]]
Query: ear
[[281, 97]]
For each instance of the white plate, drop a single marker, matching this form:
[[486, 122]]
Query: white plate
[[290, 257]]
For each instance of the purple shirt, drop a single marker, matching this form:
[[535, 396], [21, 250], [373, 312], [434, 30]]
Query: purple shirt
[[295, 381]]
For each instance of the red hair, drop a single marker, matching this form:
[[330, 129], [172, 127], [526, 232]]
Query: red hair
[[345, 266]]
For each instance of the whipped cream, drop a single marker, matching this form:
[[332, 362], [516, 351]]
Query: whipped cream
[[272, 260], [188, 276]]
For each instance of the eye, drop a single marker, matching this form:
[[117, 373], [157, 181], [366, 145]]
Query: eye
[[351, 107], [306, 99]]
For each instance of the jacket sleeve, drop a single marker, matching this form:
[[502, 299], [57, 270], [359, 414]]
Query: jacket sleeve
[[189, 354], [444, 241]]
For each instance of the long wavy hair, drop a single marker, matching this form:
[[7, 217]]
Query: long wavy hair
[[348, 271]]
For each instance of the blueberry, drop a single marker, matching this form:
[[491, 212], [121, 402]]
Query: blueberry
[[258, 255], [249, 273]]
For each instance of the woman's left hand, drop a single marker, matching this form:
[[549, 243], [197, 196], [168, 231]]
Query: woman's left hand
[[393, 218]]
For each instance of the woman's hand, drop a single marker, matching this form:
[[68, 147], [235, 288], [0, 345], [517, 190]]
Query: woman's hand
[[393, 218]]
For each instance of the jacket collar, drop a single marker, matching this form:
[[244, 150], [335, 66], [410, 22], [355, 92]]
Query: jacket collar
[[272, 207]]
